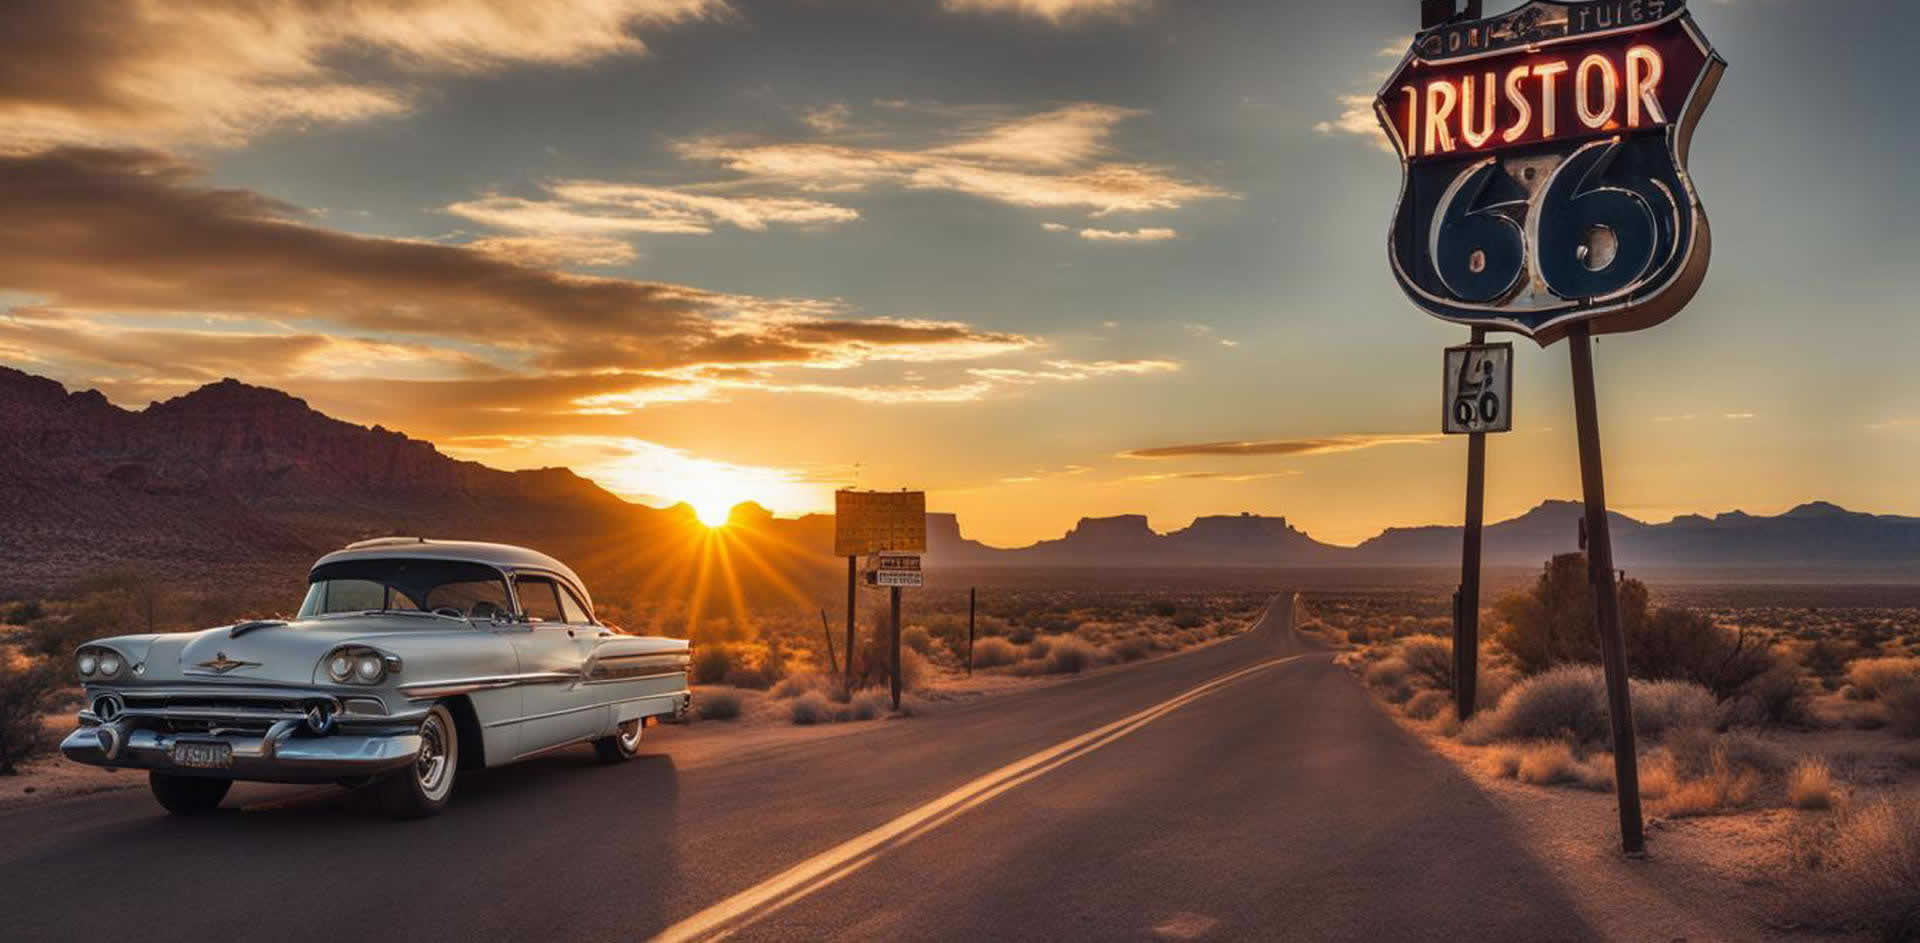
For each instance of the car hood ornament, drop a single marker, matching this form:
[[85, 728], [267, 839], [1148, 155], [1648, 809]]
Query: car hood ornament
[[221, 664]]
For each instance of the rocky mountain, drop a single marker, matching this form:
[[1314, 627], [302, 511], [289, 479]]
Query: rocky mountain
[[232, 474]]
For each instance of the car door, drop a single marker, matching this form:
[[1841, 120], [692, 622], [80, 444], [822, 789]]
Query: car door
[[561, 710]]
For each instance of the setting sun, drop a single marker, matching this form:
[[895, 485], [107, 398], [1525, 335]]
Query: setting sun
[[712, 511]]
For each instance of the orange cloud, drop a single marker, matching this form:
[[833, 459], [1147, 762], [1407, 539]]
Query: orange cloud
[[1318, 446]]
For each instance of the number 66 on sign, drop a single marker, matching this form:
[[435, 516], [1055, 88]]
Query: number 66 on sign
[[1479, 389]]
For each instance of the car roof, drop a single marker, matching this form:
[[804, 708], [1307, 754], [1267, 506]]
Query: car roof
[[505, 557]]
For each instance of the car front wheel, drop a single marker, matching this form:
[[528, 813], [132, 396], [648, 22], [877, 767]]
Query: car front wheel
[[188, 795], [624, 743], [422, 789]]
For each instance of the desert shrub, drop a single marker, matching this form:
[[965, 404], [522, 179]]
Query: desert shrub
[[994, 652], [717, 705], [1862, 871], [916, 672], [22, 612], [1429, 660], [1810, 784], [1064, 654], [873, 664], [1188, 619], [1164, 608], [1428, 704], [1132, 648], [1040, 647], [26, 687], [1552, 623], [919, 639], [1569, 701], [1873, 677], [869, 705], [814, 708], [711, 664], [1546, 764], [1902, 706], [1776, 696], [802, 682], [1663, 706], [1391, 678]]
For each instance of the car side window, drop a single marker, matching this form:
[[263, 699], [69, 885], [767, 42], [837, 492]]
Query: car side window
[[539, 598], [570, 605]]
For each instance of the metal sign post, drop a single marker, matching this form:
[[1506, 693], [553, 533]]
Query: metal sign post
[[1545, 192], [1613, 646], [1477, 399]]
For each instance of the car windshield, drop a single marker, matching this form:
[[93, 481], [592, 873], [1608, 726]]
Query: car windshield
[[445, 587]]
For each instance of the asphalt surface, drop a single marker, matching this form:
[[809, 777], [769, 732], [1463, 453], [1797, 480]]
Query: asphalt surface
[[1278, 805]]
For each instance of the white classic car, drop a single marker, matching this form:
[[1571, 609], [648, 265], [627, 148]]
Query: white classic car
[[410, 659]]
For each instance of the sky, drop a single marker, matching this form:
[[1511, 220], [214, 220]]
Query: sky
[[1041, 258]]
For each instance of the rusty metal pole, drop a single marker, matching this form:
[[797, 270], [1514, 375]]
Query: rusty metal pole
[[1613, 648], [853, 565], [896, 647], [1466, 623]]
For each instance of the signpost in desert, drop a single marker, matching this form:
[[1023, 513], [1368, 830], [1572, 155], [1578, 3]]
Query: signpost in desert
[[1545, 193], [891, 528]]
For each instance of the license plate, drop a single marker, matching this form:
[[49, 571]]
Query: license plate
[[203, 755]]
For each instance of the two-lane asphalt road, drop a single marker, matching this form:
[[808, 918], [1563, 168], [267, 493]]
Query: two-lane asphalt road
[[1248, 790]]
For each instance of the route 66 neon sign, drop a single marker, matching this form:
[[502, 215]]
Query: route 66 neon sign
[[1545, 156]]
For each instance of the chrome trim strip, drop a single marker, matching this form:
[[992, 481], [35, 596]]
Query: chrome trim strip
[[675, 673], [575, 710], [451, 686]]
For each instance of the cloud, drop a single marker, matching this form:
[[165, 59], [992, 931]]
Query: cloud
[[1321, 446], [548, 251], [1134, 235], [828, 119], [599, 208], [1074, 370], [1056, 227], [1357, 119], [1053, 11], [1056, 159], [221, 71]]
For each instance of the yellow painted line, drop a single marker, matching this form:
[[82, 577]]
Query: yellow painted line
[[835, 863]]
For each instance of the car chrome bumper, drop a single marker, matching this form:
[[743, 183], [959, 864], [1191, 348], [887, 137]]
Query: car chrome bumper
[[283, 755]]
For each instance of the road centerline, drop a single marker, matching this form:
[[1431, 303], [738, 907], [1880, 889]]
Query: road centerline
[[825, 868]]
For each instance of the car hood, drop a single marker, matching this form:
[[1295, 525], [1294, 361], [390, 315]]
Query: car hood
[[282, 653]]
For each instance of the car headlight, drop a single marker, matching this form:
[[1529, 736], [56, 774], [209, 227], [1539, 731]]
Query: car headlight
[[358, 664], [87, 663], [110, 664]]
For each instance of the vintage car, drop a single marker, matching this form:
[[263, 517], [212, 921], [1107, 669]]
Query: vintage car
[[410, 660]]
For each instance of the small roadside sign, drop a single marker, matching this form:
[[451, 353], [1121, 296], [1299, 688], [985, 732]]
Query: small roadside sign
[[897, 569], [1478, 393], [910, 579]]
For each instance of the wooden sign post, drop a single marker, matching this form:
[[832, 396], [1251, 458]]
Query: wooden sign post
[[1545, 192]]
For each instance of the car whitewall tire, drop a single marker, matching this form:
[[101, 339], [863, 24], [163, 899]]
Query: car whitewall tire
[[422, 789], [623, 745]]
